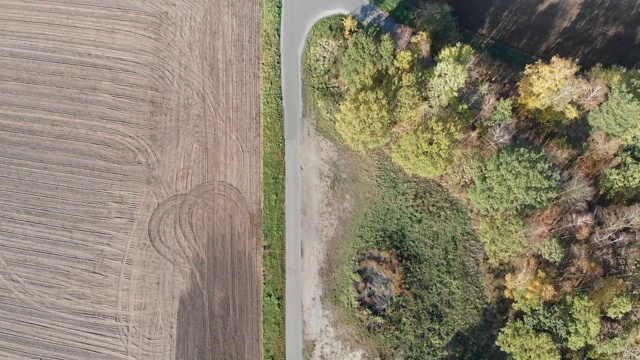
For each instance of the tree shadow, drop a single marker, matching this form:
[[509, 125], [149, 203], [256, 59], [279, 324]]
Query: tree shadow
[[478, 341]]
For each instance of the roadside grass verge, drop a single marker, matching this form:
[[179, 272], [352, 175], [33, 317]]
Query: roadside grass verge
[[271, 113]]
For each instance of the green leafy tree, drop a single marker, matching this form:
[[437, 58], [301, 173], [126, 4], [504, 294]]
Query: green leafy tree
[[386, 52], [552, 89], [515, 180], [428, 150], [622, 182], [619, 116], [548, 318], [620, 305], [406, 80], [440, 24], [460, 54], [503, 237], [609, 349], [364, 121], [524, 343], [583, 321], [449, 75], [552, 250], [617, 76], [502, 113], [366, 59]]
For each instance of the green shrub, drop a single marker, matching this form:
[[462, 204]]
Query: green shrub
[[515, 180], [321, 63], [619, 116], [503, 237], [552, 250], [366, 59], [620, 305], [364, 120], [524, 343], [583, 321], [623, 181], [502, 113], [440, 24], [428, 150]]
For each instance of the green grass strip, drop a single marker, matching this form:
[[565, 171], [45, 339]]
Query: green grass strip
[[273, 179]]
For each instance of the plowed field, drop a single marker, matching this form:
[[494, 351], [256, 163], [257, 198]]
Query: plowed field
[[604, 31], [130, 157]]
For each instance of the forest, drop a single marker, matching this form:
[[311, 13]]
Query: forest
[[508, 215]]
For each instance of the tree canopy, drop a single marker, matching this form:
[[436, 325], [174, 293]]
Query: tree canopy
[[449, 75], [619, 116], [523, 343], [502, 113], [583, 321], [428, 150], [568, 256], [366, 59], [622, 182], [364, 121], [551, 89], [515, 180], [503, 237]]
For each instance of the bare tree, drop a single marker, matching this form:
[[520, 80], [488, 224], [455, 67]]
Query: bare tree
[[593, 94], [501, 135], [402, 35], [575, 192]]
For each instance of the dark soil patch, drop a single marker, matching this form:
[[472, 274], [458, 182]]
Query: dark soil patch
[[604, 31]]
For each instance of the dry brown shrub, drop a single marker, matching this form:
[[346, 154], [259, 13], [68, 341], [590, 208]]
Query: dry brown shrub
[[593, 94], [576, 224], [576, 191], [489, 101], [560, 152], [539, 225], [601, 151], [581, 269], [402, 34]]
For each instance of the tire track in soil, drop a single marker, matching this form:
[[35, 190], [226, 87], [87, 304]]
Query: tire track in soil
[[129, 180]]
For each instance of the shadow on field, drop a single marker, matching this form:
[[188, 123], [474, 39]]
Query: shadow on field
[[605, 31]]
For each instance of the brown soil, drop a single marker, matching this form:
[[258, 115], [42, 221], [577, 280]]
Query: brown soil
[[130, 189], [326, 209], [605, 31]]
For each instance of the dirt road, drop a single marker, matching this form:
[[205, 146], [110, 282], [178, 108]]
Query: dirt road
[[605, 31], [130, 224]]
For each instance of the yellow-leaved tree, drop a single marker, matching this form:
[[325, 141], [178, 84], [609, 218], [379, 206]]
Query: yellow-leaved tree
[[406, 83], [350, 26], [364, 121], [551, 90], [428, 150]]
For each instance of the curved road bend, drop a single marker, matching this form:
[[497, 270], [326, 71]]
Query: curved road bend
[[298, 16]]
